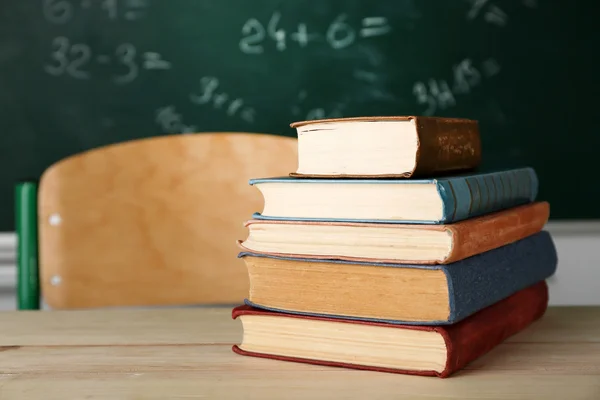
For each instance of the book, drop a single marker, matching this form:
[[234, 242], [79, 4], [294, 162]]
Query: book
[[398, 293], [429, 201], [407, 349], [401, 146], [399, 243]]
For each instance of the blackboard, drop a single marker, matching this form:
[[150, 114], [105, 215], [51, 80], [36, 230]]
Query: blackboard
[[78, 74]]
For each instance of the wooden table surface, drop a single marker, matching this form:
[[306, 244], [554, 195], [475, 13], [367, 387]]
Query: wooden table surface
[[185, 353]]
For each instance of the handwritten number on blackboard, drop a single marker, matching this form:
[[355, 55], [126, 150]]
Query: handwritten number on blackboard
[[57, 11], [220, 100], [340, 34], [61, 62], [250, 44], [420, 91], [126, 55], [85, 54], [111, 8], [276, 34], [442, 93], [59, 55], [208, 85], [465, 77], [436, 94]]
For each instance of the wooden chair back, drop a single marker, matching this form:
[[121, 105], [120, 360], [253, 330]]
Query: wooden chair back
[[153, 221]]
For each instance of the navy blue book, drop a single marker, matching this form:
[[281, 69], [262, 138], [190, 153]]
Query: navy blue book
[[398, 293], [440, 200]]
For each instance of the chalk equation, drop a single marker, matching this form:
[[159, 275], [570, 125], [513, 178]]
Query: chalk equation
[[257, 37], [440, 94], [171, 121], [491, 12], [213, 96], [210, 94], [74, 60], [63, 11]]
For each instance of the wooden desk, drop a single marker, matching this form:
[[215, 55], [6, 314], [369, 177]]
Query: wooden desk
[[186, 353]]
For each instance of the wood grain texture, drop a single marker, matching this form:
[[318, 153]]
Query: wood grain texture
[[558, 357], [119, 327], [154, 221], [526, 358]]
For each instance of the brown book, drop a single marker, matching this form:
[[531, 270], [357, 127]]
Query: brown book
[[401, 146], [402, 293], [395, 243], [406, 349]]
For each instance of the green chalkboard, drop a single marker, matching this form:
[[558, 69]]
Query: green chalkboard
[[78, 74]]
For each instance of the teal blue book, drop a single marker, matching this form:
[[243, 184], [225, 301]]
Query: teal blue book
[[441, 200], [398, 293]]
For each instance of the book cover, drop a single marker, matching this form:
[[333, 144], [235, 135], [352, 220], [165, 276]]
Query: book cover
[[472, 284], [465, 341], [468, 237], [463, 196]]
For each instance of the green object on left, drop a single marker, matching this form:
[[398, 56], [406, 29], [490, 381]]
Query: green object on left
[[28, 288]]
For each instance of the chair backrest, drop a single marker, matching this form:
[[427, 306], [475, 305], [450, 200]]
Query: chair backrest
[[153, 221]]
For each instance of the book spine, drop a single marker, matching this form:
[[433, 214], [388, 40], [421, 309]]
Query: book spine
[[472, 196], [495, 230], [446, 145], [473, 337], [484, 279]]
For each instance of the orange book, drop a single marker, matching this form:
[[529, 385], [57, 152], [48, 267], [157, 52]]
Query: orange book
[[395, 243]]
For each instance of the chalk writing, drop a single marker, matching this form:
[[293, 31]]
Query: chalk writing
[[68, 58], [278, 35], [435, 94], [57, 11], [74, 59], [254, 33], [126, 53], [440, 94], [311, 112], [110, 6], [496, 16], [135, 9], [465, 77], [220, 100], [491, 67], [316, 113], [302, 36], [491, 13], [154, 60], [338, 35], [363, 75], [63, 11], [171, 121], [321, 113], [374, 26]]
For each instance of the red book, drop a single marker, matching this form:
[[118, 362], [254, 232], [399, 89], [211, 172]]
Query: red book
[[407, 349]]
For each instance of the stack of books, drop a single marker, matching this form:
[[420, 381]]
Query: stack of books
[[387, 250]]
